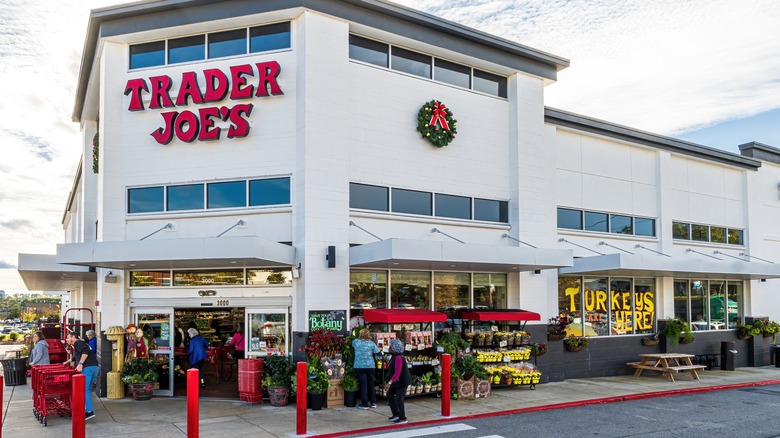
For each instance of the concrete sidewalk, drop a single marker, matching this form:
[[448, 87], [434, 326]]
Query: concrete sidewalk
[[166, 417]]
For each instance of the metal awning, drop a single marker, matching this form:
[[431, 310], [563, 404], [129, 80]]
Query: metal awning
[[679, 266], [436, 255], [42, 272], [189, 253]]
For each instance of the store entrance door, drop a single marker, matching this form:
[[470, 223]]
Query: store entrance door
[[157, 324]]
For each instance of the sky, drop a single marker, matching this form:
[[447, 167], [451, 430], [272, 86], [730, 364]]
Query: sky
[[706, 71]]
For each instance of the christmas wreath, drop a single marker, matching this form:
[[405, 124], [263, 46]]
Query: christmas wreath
[[435, 123]]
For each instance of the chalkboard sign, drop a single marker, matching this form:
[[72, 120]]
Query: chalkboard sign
[[333, 320]]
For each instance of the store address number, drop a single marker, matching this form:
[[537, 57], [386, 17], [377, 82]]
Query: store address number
[[223, 302]]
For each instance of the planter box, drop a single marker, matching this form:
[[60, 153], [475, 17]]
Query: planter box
[[335, 394]]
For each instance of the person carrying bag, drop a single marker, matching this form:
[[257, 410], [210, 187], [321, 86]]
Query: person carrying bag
[[400, 378]]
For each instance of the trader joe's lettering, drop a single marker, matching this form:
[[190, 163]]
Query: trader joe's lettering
[[243, 82]]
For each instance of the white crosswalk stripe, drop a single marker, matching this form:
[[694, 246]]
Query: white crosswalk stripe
[[407, 433]]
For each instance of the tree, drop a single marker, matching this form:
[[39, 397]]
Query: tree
[[16, 310], [29, 316]]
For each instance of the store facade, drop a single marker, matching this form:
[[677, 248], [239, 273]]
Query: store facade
[[261, 162]]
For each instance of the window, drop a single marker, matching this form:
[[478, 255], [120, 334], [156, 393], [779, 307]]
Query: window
[[700, 233], [411, 62], [714, 304], [735, 237], [681, 300], [186, 49], [269, 276], [365, 50], [368, 197], [604, 306], [717, 235], [227, 194], [270, 37], [147, 55], [367, 290], [150, 278], [489, 83], [413, 202], [230, 43], [490, 291], [189, 197], [451, 73], [681, 231], [145, 200], [410, 290], [596, 221], [274, 191], [492, 211], [451, 291], [571, 219], [644, 226], [458, 207], [208, 278], [620, 224]]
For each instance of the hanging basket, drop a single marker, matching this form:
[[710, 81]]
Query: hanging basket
[[556, 337], [649, 342], [744, 337], [574, 349]]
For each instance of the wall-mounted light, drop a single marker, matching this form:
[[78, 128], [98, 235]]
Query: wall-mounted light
[[110, 277]]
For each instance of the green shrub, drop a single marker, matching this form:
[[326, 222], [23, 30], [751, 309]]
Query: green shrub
[[13, 336], [2, 337]]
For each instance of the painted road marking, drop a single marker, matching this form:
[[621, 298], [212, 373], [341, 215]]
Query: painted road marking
[[406, 433], [492, 436]]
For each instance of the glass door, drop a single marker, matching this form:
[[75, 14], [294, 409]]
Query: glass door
[[266, 332], [158, 329]]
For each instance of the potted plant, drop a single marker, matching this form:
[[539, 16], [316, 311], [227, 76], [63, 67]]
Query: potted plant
[[316, 385], [576, 343], [556, 328], [767, 328], [351, 385], [746, 331], [140, 374], [323, 343], [677, 331], [278, 370], [539, 348], [427, 380]]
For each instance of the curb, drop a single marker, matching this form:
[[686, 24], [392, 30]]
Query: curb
[[595, 401]]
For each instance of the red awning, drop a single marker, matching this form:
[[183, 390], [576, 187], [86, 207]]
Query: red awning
[[402, 315], [501, 315]]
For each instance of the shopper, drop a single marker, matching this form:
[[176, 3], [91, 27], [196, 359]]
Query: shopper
[[197, 352], [237, 341], [400, 378], [40, 352], [365, 368], [92, 340], [87, 364]]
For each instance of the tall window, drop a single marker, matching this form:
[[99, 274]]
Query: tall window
[[367, 290], [452, 290], [410, 290], [714, 304], [490, 291]]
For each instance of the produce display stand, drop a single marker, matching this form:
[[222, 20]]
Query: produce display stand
[[513, 355], [418, 343]]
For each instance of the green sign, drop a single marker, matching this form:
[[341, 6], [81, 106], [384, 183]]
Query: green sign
[[333, 320]]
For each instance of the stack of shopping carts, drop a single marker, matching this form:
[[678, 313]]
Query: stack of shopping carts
[[51, 385]]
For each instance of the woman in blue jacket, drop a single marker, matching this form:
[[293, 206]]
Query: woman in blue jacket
[[197, 352]]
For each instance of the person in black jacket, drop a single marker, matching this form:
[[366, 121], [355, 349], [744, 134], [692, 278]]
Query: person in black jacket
[[400, 378]]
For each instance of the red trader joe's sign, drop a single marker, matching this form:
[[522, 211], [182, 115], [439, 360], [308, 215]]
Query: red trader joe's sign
[[244, 81]]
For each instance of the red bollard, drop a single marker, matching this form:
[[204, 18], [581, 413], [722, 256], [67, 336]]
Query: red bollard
[[1, 406], [77, 406], [445, 385], [193, 389], [300, 401]]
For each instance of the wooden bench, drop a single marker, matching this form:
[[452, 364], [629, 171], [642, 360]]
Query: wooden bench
[[679, 368]]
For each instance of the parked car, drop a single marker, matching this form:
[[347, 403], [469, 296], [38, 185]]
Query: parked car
[[7, 329]]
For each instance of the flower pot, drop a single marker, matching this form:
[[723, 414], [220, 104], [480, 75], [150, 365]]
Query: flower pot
[[744, 337], [575, 349], [648, 342], [141, 391], [279, 395], [350, 398], [316, 400], [426, 388], [767, 335]]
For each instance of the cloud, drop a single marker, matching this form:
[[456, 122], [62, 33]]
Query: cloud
[[4, 265], [16, 224]]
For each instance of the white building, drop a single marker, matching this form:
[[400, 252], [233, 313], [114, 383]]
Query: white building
[[242, 143]]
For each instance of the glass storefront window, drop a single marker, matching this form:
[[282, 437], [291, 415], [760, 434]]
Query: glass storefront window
[[734, 296], [699, 305], [150, 278], [269, 276], [451, 291], [208, 278], [620, 314], [490, 291], [267, 333], [717, 305], [367, 290], [410, 290], [644, 305], [681, 300], [570, 299]]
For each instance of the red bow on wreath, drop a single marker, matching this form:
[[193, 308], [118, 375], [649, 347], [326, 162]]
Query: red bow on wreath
[[439, 114]]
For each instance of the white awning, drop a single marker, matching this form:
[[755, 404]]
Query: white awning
[[434, 255], [680, 266], [189, 253], [42, 272]]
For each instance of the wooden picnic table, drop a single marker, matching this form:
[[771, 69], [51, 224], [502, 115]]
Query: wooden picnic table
[[666, 363]]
